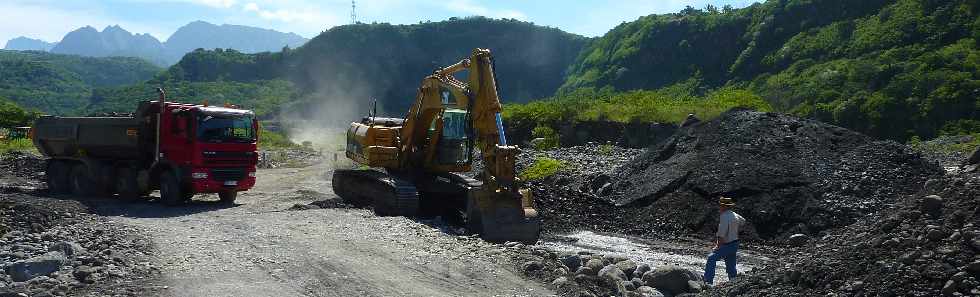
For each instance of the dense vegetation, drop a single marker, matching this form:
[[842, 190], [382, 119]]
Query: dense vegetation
[[357, 63], [12, 115], [264, 97], [62, 84], [665, 105], [892, 69]]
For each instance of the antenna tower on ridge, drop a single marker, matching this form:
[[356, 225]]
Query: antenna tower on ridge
[[353, 12]]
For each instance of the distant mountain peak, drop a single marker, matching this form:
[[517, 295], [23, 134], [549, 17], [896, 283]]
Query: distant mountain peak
[[28, 44], [114, 40]]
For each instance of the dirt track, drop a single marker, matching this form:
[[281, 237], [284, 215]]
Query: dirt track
[[259, 248]]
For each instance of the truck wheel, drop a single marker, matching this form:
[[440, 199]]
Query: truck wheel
[[170, 192], [126, 183], [228, 197], [187, 194], [81, 183], [57, 177]]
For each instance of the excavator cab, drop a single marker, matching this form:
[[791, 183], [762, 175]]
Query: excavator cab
[[453, 147]]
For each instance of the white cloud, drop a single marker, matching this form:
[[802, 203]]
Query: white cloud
[[216, 3], [467, 6], [308, 15]]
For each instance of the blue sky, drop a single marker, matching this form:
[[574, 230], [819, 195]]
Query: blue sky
[[50, 19]]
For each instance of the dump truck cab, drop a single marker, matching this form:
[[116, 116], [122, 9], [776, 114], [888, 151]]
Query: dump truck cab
[[212, 149], [180, 149]]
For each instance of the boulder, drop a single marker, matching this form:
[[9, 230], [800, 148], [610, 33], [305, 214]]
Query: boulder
[[594, 264], [798, 239], [585, 271], [630, 286], [573, 262], [647, 291], [974, 158], [672, 279], [25, 270], [611, 274], [640, 270], [70, 249], [628, 267], [932, 205], [532, 266], [949, 288], [974, 267], [561, 282]]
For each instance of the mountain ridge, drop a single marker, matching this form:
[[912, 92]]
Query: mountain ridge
[[114, 40]]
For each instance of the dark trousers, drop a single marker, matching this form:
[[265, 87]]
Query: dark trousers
[[726, 251]]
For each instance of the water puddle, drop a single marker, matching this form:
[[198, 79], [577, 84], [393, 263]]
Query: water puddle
[[652, 252]]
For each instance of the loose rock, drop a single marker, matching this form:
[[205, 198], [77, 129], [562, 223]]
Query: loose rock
[[672, 279]]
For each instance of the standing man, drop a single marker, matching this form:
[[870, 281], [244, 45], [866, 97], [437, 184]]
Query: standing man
[[726, 241]]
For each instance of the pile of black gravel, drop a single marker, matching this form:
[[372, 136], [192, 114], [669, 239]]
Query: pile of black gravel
[[788, 175], [926, 244]]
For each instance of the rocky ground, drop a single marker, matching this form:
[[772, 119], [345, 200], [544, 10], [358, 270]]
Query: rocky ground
[[832, 213], [289, 158], [51, 246], [924, 244]]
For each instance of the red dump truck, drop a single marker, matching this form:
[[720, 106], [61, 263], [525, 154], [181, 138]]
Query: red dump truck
[[180, 149]]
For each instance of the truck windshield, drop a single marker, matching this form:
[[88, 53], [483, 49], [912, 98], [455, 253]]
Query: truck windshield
[[218, 128]]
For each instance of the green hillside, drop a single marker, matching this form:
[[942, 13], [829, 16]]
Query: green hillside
[[892, 69], [357, 63], [62, 84]]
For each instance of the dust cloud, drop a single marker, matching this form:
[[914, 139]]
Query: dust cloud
[[321, 117]]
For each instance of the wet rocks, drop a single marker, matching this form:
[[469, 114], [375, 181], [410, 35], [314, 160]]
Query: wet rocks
[[628, 267], [571, 261], [611, 274]]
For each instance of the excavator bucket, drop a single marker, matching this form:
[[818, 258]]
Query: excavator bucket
[[503, 216]]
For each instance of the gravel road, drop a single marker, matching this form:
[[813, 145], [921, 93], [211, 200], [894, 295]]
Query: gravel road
[[259, 248]]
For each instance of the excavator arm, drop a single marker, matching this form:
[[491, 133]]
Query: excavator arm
[[499, 210], [448, 119]]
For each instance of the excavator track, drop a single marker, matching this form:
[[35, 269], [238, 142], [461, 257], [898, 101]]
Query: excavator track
[[388, 194]]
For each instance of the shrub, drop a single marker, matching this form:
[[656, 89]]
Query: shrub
[[23, 145], [549, 136], [542, 168]]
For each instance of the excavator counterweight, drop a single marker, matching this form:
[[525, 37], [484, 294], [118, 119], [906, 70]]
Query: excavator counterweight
[[419, 163]]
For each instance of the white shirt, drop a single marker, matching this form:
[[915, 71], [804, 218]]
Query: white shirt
[[728, 224]]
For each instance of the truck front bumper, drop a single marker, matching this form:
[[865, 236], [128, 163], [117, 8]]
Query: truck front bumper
[[215, 186]]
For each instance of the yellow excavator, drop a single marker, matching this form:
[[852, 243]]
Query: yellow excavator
[[416, 165]]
